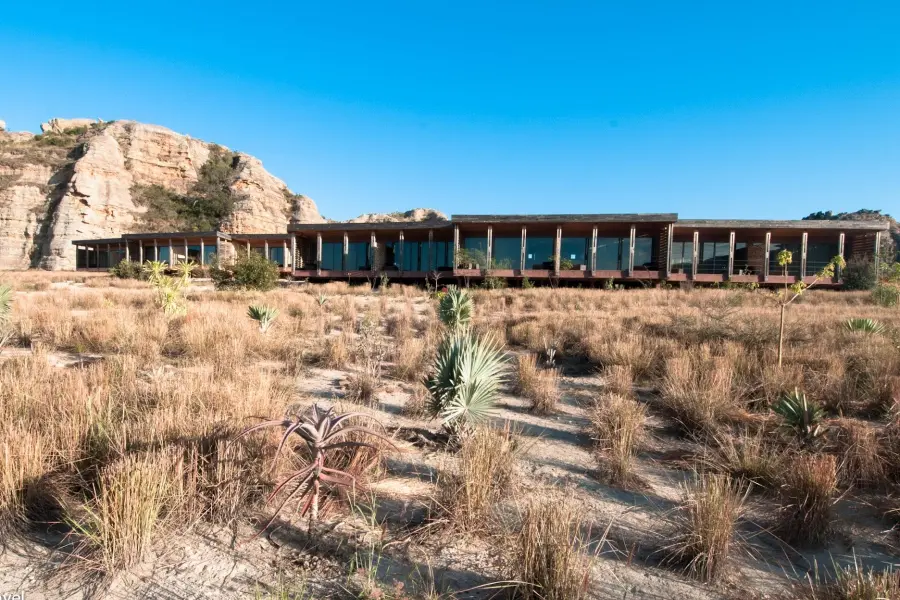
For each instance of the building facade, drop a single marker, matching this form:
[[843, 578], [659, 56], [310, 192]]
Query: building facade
[[589, 248]]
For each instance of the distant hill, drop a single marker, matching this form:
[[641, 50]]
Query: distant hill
[[889, 244]]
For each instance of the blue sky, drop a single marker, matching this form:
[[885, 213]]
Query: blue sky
[[708, 109]]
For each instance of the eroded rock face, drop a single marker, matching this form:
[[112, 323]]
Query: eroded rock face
[[81, 188], [415, 215]]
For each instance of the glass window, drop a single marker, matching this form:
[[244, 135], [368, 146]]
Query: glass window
[[682, 256], [80, 258], [794, 267], [358, 256], [163, 253], [332, 256], [643, 253], [193, 253], [476, 250], [506, 253], [276, 255], [818, 255], [442, 255], [210, 251], [575, 250], [539, 252], [610, 253], [415, 256], [713, 257]]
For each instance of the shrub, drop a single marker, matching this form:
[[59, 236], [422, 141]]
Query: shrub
[[127, 269], [618, 428], [249, 272], [807, 491], [484, 476], [541, 386], [859, 274], [468, 372], [549, 561], [697, 391], [886, 295], [456, 308], [705, 524]]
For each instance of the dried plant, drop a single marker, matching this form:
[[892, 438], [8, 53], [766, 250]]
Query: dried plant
[[617, 427], [807, 492], [539, 385], [322, 431]]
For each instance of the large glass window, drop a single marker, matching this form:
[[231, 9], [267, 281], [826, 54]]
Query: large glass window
[[163, 254], [682, 257], [193, 253], [149, 253], [539, 252], [506, 253], [475, 252], [574, 250], [332, 256], [818, 255], [713, 257], [358, 256], [612, 253], [442, 255], [644, 258], [415, 256], [794, 267], [80, 258], [276, 255], [209, 251]]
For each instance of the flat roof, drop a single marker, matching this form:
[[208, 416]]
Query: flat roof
[[772, 224], [573, 218], [381, 226]]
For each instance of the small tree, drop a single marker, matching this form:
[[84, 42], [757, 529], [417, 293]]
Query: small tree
[[794, 291], [249, 272]]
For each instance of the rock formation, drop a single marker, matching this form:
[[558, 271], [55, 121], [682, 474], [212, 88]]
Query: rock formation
[[77, 180], [415, 215]]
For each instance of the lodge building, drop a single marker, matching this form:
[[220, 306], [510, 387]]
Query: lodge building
[[588, 247]]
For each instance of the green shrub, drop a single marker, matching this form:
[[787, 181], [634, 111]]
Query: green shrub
[[494, 283], [249, 272], [127, 270], [859, 274], [886, 295]]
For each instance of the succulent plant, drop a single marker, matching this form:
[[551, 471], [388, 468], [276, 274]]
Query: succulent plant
[[800, 414], [864, 326], [264, 315], [456, 308]]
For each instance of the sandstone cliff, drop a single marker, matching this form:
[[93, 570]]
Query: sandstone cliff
[[412, 216], [84, 179]]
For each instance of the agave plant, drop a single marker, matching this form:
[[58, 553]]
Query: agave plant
[[864, 325], [468, 373], [322, 430], [154, 270], [321, 299], [5, 302], [456, 308], [801, 415], [264, 315]]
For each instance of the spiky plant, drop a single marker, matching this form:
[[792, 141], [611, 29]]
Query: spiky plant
[[154, 270], [5, 302], [321, 299], [185, 269], [800, 414], [456, 308], [864, 326], [264, 315], [322, 431], [468, 372]]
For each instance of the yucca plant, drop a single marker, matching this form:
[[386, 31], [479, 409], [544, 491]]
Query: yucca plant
[[456, 308], [864, 326], [468, 372], [6, 294], [185, 269], [800, 414], [264, 315], [321, 299], [154, 270], [322, 430]]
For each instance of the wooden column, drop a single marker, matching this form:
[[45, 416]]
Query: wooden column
[[401, 242], [803, 243], [127, 252], [155, 251], [171, 254], [877, 251], [293, 252], [345, 252], [141, 251], [593, 249], [455, 246], [373, 244], [318, 253], [202, 253], [522, 248], [766, 251], [631, 238], [185, 250], [838, 273], [695, 254], [266, 249], [284, 254], [490, 246], [731, 255], [670, 233], [431, 250], [248, 247], [556, 249]]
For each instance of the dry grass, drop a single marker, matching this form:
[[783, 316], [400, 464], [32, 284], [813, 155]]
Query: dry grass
[[705, 524], [862, 462], [485, 475], [411, 358], [618, 428], [749, 457], [858, 583], [618, 379], [697, 391], [807, 495], [540, 385], [336, 353], [550, 559]]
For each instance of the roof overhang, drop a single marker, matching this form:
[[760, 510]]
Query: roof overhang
[[834, 225], [383, 226], [576, 218]]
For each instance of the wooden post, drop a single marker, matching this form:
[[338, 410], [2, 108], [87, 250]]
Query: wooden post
[[431, 250], [670, 233], [455, 246], [373, 244], [556, 249], [345, 252], [593, 249], [141, 251], [695, 254], [766, 251], [839, 273], [803, 243], [266, 248], [731, 255], [631, 240], [202, 253], [155, 251], [522, 248], [490, 246], [127, 252], [877, 251], [185, 249], [171, 254], [284, 254], [294, 252], [318, 253], [401, 242], [248, 247]]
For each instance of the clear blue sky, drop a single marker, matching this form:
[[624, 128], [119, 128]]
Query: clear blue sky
[[708, 109]]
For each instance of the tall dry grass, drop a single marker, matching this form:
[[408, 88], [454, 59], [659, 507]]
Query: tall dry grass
[[807, 497], [696, 389], [618, 428], [540, 385]]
